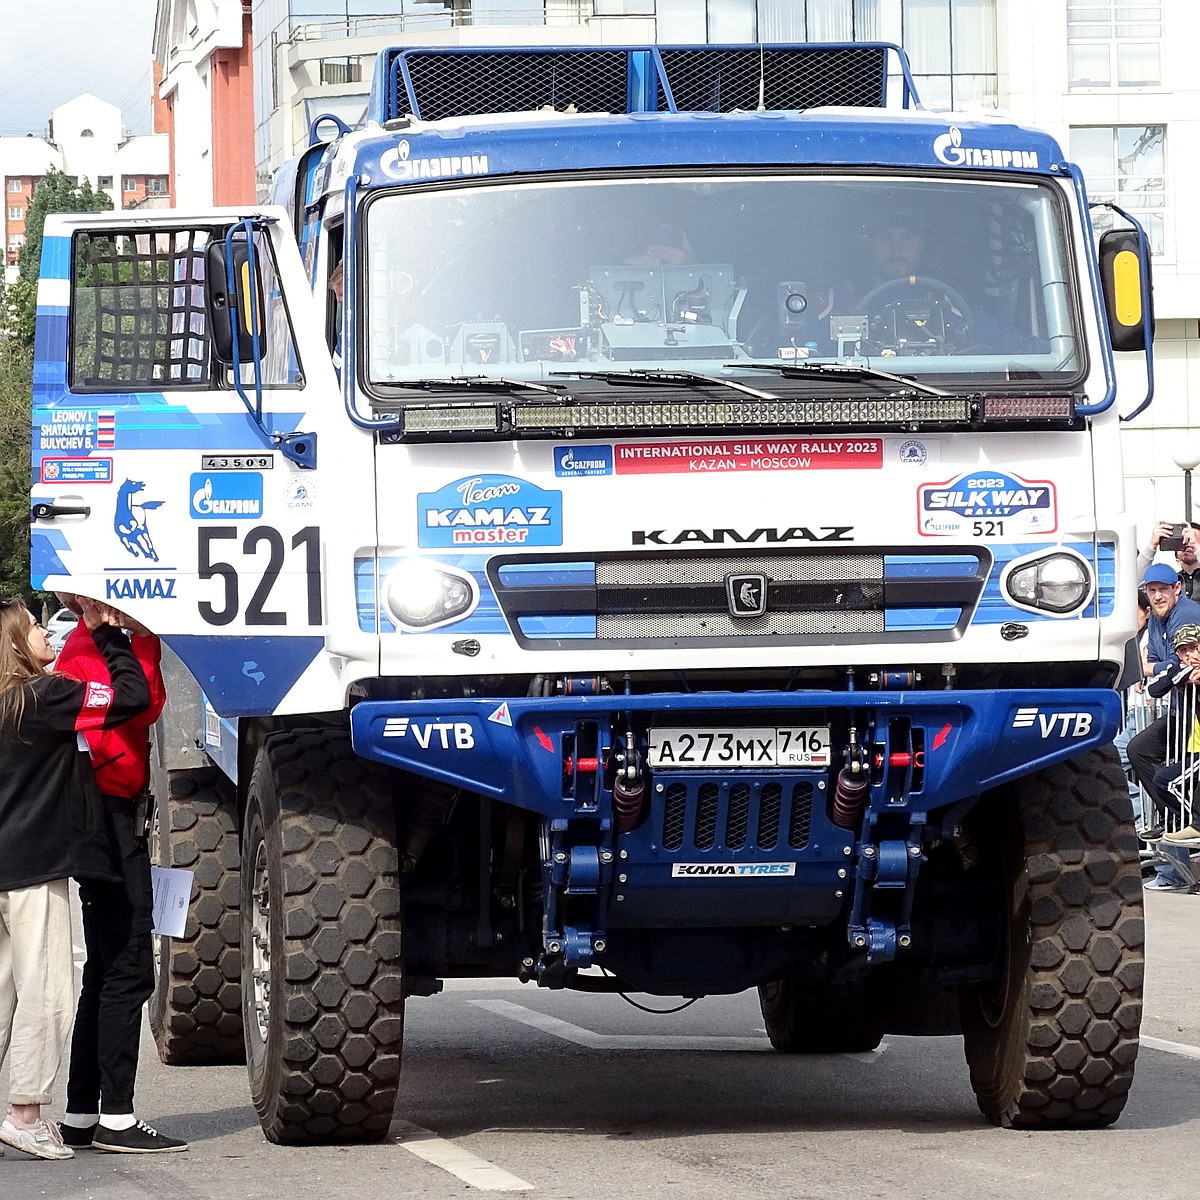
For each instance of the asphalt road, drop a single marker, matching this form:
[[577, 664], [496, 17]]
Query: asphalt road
[[510, 1088]]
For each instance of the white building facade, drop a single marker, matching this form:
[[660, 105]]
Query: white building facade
[[202, 49], [86, 140]]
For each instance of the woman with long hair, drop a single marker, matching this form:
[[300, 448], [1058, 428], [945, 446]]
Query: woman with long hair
[[51, 830]]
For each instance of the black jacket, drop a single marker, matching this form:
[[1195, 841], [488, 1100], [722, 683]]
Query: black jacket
[[51, 816]]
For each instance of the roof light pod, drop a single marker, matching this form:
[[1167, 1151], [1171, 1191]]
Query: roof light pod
[[421, 595], [1057, 582]]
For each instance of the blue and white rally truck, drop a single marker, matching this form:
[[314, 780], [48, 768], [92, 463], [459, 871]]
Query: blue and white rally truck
[[636, 519]]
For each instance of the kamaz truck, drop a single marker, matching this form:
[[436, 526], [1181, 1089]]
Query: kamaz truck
[[632, 519]]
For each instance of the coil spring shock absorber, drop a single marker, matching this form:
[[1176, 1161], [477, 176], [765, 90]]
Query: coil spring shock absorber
[[629, 786], [850, 790]]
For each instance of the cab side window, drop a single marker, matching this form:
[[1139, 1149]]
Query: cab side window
[[138, 311]]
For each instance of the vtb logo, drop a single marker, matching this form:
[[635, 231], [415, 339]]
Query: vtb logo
[[746, 595]]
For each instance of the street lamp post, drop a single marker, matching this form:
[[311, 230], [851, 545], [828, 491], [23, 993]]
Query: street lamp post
[[1187, 458]]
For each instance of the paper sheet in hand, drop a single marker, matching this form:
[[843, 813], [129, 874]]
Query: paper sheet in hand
[[172, 893]]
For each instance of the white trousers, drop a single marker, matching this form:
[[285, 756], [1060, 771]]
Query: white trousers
[[36, 997]]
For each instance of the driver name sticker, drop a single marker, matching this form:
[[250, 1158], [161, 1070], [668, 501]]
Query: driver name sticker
[[799, 454], [987, 504]]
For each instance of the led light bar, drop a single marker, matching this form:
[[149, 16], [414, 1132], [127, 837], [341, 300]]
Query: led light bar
[[666, 414], [448, 418], [1024, 408]]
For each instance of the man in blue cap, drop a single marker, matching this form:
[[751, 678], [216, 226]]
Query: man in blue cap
[[1169, 609]]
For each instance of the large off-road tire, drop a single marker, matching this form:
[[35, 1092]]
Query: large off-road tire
[[1052, 1043], [323, 1004], [803, 1017], [196, 1007]]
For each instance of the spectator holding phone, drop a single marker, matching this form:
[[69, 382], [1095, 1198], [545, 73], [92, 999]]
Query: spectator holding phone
[[1182, 537]]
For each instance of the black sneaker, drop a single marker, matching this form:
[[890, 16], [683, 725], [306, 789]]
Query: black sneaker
[[139, 1138], [72, 1135]]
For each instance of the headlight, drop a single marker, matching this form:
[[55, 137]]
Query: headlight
[[1057, 583], [423, 595]]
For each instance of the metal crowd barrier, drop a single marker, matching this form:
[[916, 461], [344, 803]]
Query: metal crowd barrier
[[1183, 748]]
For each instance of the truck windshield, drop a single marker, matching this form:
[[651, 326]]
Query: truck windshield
[[962, 281]]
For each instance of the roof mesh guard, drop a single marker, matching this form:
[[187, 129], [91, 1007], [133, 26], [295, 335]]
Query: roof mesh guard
[[432, 84]]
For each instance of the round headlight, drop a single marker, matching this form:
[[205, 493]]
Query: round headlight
[[423, 595], [1057, 583]]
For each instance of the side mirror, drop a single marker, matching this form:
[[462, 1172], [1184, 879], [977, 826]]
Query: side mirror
[[240, 308], [1125, 300]]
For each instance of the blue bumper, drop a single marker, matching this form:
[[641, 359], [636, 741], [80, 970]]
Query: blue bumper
[[521, 751]]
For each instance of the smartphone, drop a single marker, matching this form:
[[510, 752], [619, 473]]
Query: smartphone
[[1175, 541]]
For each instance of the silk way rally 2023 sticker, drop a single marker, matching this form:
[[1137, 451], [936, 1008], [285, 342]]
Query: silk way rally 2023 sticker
[[987, 504]]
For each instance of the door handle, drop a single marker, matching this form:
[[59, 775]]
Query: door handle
[[47, 512]]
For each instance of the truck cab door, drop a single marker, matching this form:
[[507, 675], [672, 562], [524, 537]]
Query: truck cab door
[[188, 444]]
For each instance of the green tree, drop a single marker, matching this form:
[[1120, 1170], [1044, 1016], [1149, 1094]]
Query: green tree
[[55, 193], [16, 372]]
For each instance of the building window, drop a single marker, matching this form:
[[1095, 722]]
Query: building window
[[156, 185], [684, 21], [341, 70], [1125, 164], [104, 181], [16, 212], [130, 183], [1114, 44], [952, 47], [15, 185]]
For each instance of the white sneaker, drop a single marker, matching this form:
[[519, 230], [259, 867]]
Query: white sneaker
[[41, 1139]]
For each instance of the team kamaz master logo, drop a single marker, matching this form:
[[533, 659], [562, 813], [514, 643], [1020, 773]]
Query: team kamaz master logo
[[489, 510]]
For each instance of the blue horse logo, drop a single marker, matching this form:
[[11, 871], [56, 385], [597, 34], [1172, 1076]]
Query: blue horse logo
[[130, 520]]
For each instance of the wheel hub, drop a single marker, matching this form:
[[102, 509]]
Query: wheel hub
[[260, 918]]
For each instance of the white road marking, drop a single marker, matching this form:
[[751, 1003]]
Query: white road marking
[[470, 1168], [613, 1041], [1180, 1048]]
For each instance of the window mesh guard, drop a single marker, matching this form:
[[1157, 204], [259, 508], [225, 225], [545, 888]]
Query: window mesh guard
[[139, 316], [434, 84], [722, 80]]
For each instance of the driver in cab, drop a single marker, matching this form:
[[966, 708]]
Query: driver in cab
[[906, 309], [909, 306]]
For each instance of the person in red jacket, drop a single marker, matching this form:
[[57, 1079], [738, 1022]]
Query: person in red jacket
[[51, 828], [118, 976]]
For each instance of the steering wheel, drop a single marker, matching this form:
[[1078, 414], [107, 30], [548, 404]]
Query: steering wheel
[[903, 288]]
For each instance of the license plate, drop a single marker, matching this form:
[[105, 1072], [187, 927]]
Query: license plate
[[765, 746]]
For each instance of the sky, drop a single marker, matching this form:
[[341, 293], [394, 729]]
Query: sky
[[52, 50]]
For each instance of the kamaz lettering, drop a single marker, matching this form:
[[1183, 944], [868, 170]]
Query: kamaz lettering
[[719, 537], [139, 589]]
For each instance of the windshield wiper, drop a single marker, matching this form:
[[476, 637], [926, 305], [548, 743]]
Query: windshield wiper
[[670, 379], [825, 370], [474, 383]]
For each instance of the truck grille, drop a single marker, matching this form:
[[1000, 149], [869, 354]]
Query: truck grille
[[681, 599], [738, 815]]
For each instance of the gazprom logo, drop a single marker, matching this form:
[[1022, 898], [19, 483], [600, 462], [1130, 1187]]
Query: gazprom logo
[[398, 164], [949, 149], [234, 494], [583, 460]]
